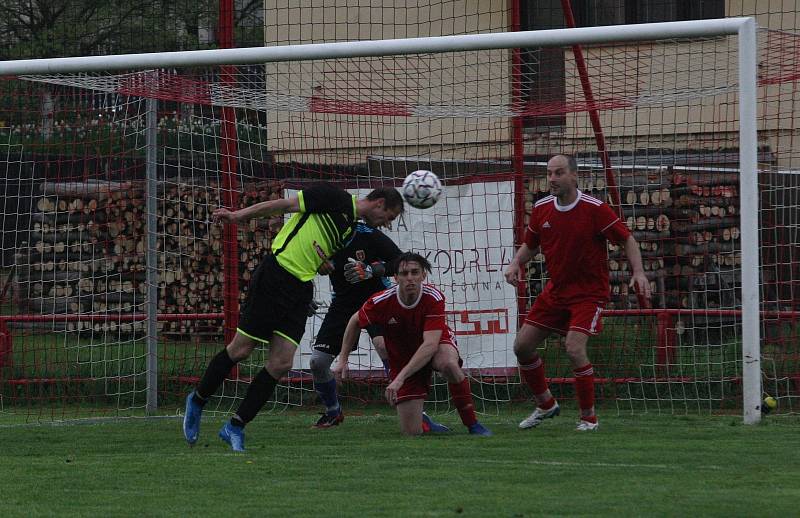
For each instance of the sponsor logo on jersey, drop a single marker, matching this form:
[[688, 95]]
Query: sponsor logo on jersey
[[320, 252], [546, 224], [392, 320]]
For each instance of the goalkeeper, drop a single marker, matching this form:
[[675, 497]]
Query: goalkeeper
[[359, 271]]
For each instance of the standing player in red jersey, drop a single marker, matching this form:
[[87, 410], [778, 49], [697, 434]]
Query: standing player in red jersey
[[572, 229], [418, 340]]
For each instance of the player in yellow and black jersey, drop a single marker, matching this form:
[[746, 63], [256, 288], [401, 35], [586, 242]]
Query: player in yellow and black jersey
[[281, 289]]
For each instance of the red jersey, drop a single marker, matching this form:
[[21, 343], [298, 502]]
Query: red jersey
[[573, 240], [403, 325]]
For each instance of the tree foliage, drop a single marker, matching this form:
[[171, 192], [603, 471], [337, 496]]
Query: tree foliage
[[32, 29], [56, 28]]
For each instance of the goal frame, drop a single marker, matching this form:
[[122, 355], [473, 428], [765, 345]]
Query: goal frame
[[744, 28]]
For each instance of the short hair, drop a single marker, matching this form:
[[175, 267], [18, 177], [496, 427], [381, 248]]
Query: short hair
[[391, 196], [572, 164], [407, 257]]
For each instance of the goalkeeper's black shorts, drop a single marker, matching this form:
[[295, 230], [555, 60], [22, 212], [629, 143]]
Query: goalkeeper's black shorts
[[331, 332]]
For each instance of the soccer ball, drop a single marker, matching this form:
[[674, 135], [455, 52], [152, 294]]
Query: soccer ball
[[422, 189], [768, 405]]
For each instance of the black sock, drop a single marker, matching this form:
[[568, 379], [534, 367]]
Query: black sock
[[217, 369], [259, 391]]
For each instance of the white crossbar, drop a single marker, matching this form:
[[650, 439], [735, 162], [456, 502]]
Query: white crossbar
[[463, 42]]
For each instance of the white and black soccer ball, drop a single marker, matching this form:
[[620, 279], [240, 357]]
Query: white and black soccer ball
[[422, 189]]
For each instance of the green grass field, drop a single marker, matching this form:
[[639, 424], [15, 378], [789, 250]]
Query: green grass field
[[634, 465]]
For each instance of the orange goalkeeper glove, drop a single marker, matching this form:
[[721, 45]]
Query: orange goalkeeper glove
[[357, 271]]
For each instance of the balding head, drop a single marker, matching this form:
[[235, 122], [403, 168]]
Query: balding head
[[562, 175], [567, 161]]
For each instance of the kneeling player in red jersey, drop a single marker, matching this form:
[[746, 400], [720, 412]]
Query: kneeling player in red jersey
[[418, 340]]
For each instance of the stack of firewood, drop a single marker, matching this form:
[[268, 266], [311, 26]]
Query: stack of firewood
[[85, 251], [706, 233], [86, 254], [686, 223], [646, 202]]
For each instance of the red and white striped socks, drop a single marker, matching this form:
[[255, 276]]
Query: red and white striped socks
[[533, 375]]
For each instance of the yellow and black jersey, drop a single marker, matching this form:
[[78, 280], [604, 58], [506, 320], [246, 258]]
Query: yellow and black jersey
[[325, 224]]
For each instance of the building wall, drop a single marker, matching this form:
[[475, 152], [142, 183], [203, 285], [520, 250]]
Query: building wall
[[625, 73], [385, 84], [708, 123]]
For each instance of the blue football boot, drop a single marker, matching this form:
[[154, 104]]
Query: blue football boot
[[479, 429], [191, 419], [233, 435]]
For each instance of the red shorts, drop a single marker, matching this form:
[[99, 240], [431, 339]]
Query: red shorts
[[584, 317], [418, 385]]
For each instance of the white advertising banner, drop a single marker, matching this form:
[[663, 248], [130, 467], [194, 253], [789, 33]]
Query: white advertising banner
[[468, 237]]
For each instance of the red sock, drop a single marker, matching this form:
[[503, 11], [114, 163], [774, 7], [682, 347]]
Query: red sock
[[584, 387], [461, 395], [533, 375], [547, 405]]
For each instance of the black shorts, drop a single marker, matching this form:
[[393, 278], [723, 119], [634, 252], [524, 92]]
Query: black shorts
[[276, 303], [331, 332]]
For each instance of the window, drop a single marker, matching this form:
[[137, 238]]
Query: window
[[543, 81], [537, 87], [590, 13], [648, 11]]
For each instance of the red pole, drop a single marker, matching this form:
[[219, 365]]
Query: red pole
[[6, 347], [518, 154], [594, 117], [665, 339], [230, 181]]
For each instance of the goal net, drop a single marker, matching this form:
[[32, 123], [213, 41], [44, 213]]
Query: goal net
[[118, 289]]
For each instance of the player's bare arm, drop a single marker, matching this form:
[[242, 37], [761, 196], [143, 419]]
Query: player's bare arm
[[639, 281], [263, 209], [423, 355], [340, 371], [326, 268], [515, 271]]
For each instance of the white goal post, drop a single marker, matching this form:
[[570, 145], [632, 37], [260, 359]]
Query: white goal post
[[744, 28]]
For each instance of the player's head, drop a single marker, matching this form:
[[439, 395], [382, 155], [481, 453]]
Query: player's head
[[412, 270], [381, 206], [562, 175]]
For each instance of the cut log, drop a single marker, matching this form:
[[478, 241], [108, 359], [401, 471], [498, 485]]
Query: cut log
[[707, 248], [704, 178], [640, 210], [704, 224], [55, 219], [82, 189], [45, 205], [26, 274], [624, 276], [655, 178], [62, 236]]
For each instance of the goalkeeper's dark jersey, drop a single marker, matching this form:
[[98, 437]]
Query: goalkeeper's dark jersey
[[323, 226], [368, 245]]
